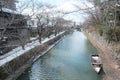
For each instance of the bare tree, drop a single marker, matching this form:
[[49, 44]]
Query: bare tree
[[13, 25]]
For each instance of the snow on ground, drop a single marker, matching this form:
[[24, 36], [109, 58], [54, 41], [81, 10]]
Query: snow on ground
[[33, 38], [19, 51]]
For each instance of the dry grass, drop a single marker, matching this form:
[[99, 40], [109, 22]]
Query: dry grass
[[105, 78]]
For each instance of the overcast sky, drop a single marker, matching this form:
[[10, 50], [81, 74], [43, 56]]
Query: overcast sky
[[65, 5]]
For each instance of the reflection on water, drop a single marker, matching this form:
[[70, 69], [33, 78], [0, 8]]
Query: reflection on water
[[68, 60]]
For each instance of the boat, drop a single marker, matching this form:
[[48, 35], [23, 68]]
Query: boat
[[96, 63]]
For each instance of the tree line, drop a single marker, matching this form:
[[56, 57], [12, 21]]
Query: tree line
[[104, 18], [17, 28]]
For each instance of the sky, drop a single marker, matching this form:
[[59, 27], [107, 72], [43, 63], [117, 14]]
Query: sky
[[64, 5]]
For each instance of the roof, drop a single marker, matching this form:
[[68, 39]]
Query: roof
[[9, 11]]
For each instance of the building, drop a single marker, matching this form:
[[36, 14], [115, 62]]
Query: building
[[14, 30], [9, 4]]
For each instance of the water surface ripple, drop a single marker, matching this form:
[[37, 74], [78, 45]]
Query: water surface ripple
[[68, 60]]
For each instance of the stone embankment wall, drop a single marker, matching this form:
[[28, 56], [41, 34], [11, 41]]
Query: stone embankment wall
[[14, 68], [110, 66]]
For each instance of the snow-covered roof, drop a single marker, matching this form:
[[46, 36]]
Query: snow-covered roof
[[9, 11]]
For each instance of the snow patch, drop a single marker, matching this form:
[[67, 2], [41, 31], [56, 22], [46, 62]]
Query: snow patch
[[19, 51]]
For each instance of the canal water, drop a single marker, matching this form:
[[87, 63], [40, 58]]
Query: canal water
[[68, 60]]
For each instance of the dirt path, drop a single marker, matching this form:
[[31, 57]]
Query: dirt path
[[109, 64]]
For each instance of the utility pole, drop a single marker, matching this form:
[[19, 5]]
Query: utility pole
[[33, 6]]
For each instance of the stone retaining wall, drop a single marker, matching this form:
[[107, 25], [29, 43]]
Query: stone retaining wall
[[14, 68]]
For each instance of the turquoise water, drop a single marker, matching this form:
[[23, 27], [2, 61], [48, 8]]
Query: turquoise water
[[68, 60]]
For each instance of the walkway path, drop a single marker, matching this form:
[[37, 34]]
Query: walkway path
[[109, 64], [19, 51]]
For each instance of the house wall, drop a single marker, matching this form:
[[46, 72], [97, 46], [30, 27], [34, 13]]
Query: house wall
[[3, 22], [10, 4], [25, 35]]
